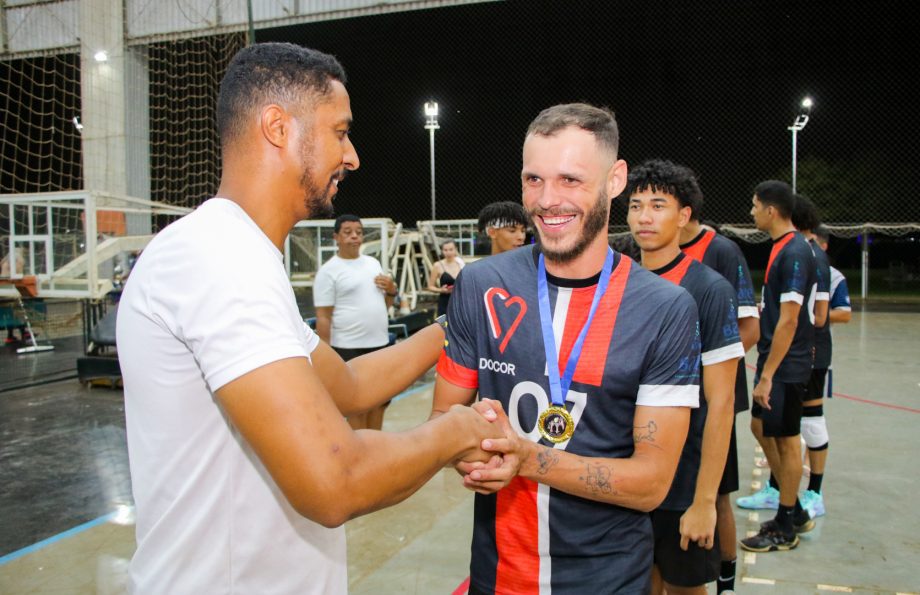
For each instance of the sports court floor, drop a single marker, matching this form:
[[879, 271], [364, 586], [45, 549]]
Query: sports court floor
[[65, 500]]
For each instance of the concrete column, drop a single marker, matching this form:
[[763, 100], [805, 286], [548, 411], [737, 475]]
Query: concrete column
[[115, 108]]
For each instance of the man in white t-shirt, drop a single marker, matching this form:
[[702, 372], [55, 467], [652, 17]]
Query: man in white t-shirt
[[352, 296], [242, 465]]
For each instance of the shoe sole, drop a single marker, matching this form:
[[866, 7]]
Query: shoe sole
[[805, 527], [772, 547], [752, 507]]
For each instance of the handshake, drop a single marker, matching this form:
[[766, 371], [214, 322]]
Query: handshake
[[498, 453]]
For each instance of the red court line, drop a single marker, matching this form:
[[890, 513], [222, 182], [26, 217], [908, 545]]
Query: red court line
[[862, 400], [463, 588]]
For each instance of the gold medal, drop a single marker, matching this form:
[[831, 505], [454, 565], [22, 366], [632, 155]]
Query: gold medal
[[556, 424]]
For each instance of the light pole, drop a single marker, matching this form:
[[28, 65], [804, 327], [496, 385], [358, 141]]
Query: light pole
[[431, 124], [800, 121]]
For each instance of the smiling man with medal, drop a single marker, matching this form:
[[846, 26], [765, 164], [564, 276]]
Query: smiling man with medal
[[596, 362]]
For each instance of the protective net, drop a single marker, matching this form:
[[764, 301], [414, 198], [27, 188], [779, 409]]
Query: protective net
[[184, 149], [40, 144]]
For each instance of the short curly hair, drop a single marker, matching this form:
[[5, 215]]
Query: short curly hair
[[661, 175]]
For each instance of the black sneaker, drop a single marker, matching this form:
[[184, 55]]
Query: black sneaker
[[770, 539], [802, 523]]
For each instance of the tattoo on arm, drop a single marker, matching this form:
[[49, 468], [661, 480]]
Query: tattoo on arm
[[546, 459], [646, 433], [597, 479]]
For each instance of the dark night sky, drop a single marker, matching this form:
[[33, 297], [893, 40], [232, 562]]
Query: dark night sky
[[710, 84]]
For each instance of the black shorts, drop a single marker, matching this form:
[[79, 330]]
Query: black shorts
[[697, 566], [815, 387], [347, 353], [784, 417], [729, 481]]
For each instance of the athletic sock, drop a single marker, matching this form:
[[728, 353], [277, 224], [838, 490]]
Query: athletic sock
[[773, 483], [726, 581], [814, 482], [797, 509], [784, 519]]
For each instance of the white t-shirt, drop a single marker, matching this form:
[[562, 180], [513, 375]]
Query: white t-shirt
[[207, 302], [359, 317]]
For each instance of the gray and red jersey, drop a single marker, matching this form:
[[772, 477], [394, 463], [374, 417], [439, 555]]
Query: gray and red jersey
[[720, 342], [642, 349], [725, 257], [790, 276]]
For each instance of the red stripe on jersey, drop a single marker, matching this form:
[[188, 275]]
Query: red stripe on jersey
[[676, 274], [777, 246], [456, 374], [697, 250], [590, 368], [516, 538]]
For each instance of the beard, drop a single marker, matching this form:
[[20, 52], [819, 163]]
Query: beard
[[595, 221], [317, 201]]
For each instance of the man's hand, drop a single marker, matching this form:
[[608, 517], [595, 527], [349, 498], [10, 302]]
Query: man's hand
[[698, 524], [761, 392], [477, 422], [386, 284], [489, 477]]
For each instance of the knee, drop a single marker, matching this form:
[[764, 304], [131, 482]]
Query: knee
[[814, 431]]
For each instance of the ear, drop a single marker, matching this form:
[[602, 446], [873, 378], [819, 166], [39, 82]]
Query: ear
[[616, 178], [684, 216], [275, 125], [491, 231]]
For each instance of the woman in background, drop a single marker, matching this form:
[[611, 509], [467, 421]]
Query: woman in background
[[444, 273]]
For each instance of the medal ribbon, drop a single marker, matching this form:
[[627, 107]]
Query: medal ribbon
[[559, 387]]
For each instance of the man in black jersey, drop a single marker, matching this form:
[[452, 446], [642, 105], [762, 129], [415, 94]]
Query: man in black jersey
[[785, 354], [814, 426], [661, 196], [725, 257]]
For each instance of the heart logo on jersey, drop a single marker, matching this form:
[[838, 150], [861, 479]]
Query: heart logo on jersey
[[506, 300]]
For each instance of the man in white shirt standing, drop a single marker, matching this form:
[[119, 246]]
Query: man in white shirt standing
[[242, 465], [352, 296]]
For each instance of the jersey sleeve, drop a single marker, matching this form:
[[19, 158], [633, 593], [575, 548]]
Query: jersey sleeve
[[671, 377], [840, 295], [742, 283], [457, 363], [793, 271], [823, 276], [719, 337], [323, 288]]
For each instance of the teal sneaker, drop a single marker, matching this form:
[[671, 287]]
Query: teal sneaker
[[767, 497], [813, 502]]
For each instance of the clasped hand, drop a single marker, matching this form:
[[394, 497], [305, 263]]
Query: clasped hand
[[507, 454]]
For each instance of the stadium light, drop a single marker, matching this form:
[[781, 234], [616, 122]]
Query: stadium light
[[101, 56], [431, 124], [800, 121]]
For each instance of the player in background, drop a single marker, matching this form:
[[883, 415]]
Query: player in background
[[661, 196], [725, 257]]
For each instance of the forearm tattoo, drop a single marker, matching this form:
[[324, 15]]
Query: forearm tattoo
[[646, 433], [597, 479], [546, 460]]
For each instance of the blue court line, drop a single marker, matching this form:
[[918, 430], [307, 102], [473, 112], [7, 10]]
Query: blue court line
[[55, 538], [106, 518], [412, 391]]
